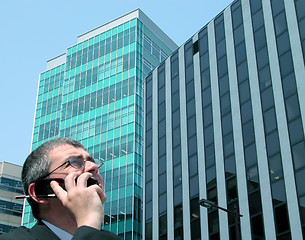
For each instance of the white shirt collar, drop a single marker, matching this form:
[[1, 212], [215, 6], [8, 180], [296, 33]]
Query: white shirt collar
[[63, 235]]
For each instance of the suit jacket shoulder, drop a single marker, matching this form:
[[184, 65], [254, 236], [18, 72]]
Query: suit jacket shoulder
[[38, 232], [85, 232], [42, 232]]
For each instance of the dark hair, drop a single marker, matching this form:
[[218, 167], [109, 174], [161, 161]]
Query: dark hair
[[37, 165]]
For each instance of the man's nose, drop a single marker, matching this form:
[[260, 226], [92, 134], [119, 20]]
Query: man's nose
[[90, 167]]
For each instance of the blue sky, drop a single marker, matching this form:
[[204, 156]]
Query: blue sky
[[35, 31]]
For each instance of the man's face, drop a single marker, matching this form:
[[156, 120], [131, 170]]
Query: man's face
[[61, 154]]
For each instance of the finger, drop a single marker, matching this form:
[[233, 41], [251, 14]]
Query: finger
[[70, 180], [101, 182], [99, 179], [100, 192], [58, 190], [83, 178], [103, 197]]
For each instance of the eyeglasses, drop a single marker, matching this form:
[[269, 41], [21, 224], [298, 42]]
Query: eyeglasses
[[76, 162]]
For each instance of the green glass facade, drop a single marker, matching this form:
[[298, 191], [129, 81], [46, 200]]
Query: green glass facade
[[94, 94]]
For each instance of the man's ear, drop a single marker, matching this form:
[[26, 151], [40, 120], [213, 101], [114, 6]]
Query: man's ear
[[32, 194]]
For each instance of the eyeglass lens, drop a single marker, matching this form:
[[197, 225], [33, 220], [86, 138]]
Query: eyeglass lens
[[78, 162]]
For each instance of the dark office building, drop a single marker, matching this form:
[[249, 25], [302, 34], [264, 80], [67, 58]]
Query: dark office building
[[224, 121]]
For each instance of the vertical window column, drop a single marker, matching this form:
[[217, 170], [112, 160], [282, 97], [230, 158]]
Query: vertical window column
[[176, 146], [204, 232], [258, 125], [295, 34], [237, 129], [155, 180], [219, 158], [169, 154], [184, 154], [162, 154], [147, 226], [207, 119]]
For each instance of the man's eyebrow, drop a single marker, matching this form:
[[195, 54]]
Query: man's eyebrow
[[90, 158], [74, 156]]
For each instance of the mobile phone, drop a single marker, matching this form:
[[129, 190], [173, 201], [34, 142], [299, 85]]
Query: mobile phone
[[43, 188]]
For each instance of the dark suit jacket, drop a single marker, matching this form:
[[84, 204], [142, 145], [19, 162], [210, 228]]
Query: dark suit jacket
[[41, 232]]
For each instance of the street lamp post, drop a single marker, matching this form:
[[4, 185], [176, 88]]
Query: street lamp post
[[210, 204]]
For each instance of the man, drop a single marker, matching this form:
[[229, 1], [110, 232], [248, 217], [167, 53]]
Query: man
[[76, 211]]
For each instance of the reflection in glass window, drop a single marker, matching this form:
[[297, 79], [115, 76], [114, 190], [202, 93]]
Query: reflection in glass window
[[298, 153]]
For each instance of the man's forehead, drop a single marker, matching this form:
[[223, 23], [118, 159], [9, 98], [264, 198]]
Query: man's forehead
[[65, 151]]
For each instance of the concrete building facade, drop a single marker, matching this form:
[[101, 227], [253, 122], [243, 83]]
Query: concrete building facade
[[10, 187]]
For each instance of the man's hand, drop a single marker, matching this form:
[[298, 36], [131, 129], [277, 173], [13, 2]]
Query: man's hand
[[84, 203]]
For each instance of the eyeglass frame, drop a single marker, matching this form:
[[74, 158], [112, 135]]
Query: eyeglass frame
[[90, 159]]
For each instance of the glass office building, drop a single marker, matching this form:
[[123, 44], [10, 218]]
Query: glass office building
[[10, 187], [94, 93], [224, 121]]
